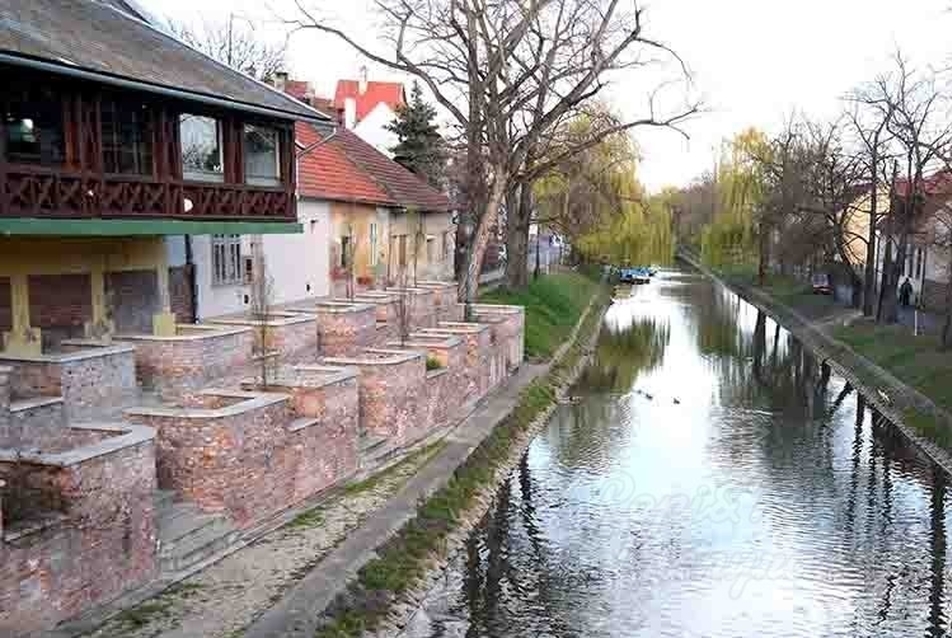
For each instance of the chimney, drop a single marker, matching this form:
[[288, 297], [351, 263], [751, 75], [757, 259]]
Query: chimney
[[350, 112], [280, 80], [362, 83]]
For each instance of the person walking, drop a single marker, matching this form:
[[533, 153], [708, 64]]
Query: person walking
[[905, 293]]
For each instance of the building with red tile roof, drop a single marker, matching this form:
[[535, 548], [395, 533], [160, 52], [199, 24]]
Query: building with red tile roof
[[369, 197], [368, 108]]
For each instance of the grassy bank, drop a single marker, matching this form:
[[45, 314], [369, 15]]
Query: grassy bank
[[915, 361], [403, 560], [553, 305]]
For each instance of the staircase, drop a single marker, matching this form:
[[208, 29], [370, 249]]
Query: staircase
[[372, 450], [187, 536]]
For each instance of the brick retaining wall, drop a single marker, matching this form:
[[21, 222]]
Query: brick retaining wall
[[183, 364], [293, 336], [390, 385], [344, 328], [90, 376], [98, 541]]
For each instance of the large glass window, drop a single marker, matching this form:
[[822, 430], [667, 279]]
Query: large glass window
[[201, 148], [226, 260], [33, 125], [126, 137], [262, 156]]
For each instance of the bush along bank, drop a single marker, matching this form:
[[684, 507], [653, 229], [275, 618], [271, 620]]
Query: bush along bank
[[915, 414], [388, 587]]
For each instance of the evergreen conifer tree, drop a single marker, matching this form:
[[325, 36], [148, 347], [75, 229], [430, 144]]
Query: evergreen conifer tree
[[420, 148]]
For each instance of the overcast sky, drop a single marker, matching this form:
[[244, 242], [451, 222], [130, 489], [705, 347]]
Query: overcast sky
[[753, 61]]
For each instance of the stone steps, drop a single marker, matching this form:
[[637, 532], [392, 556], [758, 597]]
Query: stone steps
[[187, 536], [372, 450]]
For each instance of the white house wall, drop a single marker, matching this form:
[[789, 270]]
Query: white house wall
[[297, 264], [373, 129]]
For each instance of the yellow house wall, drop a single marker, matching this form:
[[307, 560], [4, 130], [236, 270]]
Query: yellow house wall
[[21, 257], [354, 220], [434, 224]]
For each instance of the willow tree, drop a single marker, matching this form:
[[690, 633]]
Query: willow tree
[[731, 235]]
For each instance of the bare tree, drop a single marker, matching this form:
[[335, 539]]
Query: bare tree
[[868, 119], [234, 43], [262, 304], [921, 131], [507, 73]]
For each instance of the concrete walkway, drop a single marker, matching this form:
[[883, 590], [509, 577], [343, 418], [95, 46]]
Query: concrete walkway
[[297, 613]]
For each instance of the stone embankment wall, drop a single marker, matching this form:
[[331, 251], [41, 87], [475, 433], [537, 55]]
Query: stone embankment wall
[[78, 526]]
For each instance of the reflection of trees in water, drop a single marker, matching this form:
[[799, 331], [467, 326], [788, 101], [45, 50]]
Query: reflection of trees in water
[[511, 586], [621, 355]]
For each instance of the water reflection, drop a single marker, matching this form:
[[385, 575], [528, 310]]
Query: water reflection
[[712, 479]]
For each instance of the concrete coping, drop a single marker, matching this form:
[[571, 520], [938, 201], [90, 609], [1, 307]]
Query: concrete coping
[[384, 295], [418, 340], [247, 400], [123, 435], [457, 328], [314, 376], [375, 300], [91, 350], [189, 332], [430, 283], [334, 307], [33, 525], [376, 356], [275, 318], [507, 309], [433, 374], [6, 370], [24, 405]]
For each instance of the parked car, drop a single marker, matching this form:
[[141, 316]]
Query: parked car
[[820, 283]]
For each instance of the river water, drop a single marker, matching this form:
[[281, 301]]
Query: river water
[[707, 480]]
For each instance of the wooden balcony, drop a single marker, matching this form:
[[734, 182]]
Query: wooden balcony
[[39, 192]]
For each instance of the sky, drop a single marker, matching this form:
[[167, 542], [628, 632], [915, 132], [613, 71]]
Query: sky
[[752, 62]]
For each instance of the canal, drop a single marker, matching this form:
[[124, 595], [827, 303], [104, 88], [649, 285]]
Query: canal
[[706, 480]]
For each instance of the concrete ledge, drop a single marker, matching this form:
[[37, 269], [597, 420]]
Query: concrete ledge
[[89, 350], [187, 332], [117, 437]]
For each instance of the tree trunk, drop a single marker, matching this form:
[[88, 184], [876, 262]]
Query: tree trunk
[[519, 215], [869, 274], [480, 240], [764, 257], [946, 343]]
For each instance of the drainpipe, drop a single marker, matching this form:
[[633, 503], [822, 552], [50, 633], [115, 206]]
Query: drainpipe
[[192, 279]]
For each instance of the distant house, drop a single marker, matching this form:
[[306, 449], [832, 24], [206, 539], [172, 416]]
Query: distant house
[[928, 254], [368, 107], [379, 211]]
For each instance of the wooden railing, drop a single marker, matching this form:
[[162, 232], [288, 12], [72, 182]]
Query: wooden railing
[[27, 191]]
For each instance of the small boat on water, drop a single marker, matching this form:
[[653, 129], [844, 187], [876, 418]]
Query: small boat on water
[[639, 275]]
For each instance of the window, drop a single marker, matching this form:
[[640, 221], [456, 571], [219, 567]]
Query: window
[[401, 250], [33, 126], [226, 260], [430, 250], [262, 156], [374, 257], [126, 137], [201, 148], [344, 250], [920, 258]]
